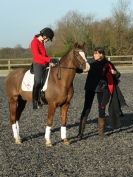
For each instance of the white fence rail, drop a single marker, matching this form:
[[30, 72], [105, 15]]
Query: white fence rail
[[9, 64]]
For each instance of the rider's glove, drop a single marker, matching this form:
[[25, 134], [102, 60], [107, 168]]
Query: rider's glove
[[51, 64]]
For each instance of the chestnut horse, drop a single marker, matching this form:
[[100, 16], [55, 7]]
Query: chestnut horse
[[58, 94]]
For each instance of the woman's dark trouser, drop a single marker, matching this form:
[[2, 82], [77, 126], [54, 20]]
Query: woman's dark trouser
[[89, 97], [38, 74]]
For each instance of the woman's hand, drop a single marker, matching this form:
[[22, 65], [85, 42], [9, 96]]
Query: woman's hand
[[113, 71]]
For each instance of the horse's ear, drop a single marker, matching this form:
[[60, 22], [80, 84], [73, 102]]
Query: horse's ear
[[76, 45], [84, 45]]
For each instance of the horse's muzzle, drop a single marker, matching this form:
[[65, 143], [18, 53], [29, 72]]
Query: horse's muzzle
[[87, 68]]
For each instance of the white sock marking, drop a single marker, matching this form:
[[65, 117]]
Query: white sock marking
[[15, 131], [17, 125], [47, 133]]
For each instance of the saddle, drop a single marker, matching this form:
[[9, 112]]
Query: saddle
[[28, 80]]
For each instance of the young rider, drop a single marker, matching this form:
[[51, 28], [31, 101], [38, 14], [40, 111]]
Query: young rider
[[40, 61]]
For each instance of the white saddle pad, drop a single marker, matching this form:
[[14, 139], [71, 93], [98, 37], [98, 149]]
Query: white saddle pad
[[28, 81]]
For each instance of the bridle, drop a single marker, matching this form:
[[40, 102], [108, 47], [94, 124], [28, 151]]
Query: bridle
[[78, 61], [71, 68]]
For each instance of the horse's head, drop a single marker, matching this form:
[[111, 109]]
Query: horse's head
[[80, 57]]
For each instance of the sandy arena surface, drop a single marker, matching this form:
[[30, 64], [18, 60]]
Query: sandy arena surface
[[90, 157]]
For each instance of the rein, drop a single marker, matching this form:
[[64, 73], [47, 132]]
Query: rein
[[64, 67]]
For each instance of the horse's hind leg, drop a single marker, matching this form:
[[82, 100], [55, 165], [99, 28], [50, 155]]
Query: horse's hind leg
[[63, 118], [14, 109], [20, 107]]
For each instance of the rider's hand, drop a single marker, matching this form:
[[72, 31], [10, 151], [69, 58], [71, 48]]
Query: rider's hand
[[51, 64]]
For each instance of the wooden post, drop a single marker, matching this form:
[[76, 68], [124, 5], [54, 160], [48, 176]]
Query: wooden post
[[9, 65]]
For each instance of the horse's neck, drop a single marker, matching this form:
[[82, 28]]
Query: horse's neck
[[68, 72], [67, 60]]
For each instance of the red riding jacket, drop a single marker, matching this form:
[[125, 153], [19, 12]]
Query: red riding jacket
[[39, 52]]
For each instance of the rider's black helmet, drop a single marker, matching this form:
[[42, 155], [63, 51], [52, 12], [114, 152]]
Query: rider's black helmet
[[48, 32]]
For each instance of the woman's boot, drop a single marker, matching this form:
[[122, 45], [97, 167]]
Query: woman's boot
[[82, 127], [101, 125]]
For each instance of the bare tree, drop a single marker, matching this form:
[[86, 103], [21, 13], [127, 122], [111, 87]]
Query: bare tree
[[122, 24], [73, 27]]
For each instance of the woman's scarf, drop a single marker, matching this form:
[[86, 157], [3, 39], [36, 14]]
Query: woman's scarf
[[109, 76]]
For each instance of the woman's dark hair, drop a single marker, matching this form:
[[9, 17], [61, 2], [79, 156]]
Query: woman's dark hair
[[99, 50]]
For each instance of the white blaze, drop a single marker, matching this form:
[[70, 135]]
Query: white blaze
[[87, 64], [83, 55]]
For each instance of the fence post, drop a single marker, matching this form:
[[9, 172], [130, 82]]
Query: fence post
[[9, 66]]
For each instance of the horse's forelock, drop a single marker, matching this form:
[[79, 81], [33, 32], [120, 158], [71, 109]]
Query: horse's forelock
[[79, 45]]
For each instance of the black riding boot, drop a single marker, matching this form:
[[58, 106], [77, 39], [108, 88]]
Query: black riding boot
[[35, 96], [39, 99], [83, 120], [82, 127]]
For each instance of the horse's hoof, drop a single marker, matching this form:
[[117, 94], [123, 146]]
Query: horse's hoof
[[48, 143], [66, 142], [101, 134], [101, 137], [79, 136], [18, 141]]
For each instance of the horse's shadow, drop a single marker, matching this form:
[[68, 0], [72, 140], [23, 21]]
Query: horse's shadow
[[33, 136], [57, 129], [126, 121], [126, 124]]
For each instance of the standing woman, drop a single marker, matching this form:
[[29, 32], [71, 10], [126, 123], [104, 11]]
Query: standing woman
[[40, 61], [101, 79], [92, 80], [106, 93]]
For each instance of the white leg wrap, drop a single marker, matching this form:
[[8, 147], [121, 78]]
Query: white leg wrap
[[63, 132], [15, 131], [17, 125], [47, 133]]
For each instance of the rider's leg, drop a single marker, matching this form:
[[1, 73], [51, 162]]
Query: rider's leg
[[38, 72]]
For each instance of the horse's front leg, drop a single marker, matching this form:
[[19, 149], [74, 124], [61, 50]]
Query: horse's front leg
[[13, 120], [51, 111], [63, 118]]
